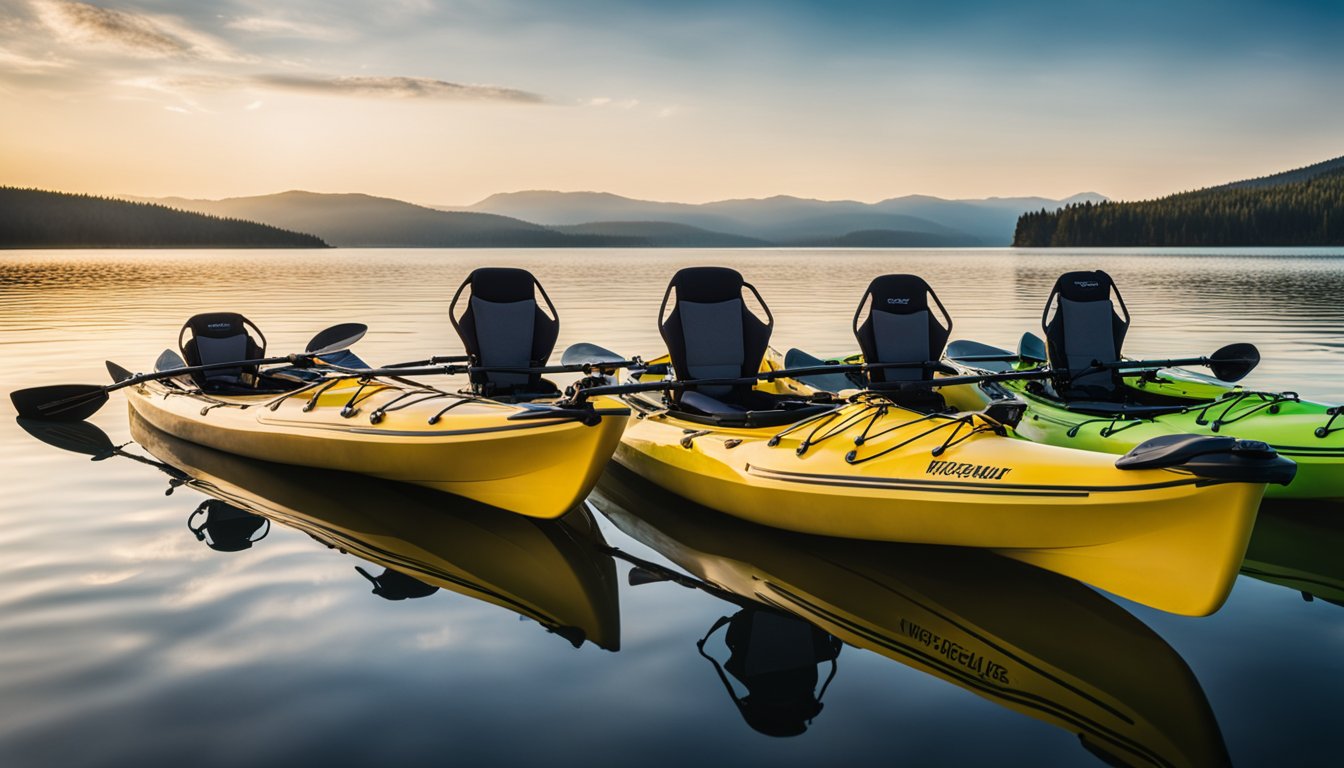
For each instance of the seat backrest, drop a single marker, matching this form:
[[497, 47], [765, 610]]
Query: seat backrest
[[710, 332], [503, 325], [221, 337], [900, 327], [1082, 327]]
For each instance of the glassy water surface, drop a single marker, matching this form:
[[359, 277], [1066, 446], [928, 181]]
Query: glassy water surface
[[355, 621]]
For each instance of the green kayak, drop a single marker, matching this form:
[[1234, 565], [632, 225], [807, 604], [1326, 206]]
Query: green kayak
[[1112, 409]]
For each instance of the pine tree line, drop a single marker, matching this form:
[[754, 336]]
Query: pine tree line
[[31, 218], [1309, 212]]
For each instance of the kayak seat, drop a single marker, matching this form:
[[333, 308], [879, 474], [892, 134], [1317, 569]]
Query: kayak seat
[[898, 326], [222, 337], [712, 334], [1084, 328], [771, 411], [503, 325]]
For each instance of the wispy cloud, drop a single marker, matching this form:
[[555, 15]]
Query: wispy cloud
[[373, 87], [283, 27], [396, 87], [18, 62], [135, 34]]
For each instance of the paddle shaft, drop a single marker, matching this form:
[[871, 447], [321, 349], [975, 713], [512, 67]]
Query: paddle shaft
[[621, 389], [453, 370]]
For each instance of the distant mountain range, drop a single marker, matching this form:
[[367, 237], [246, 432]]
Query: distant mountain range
[[1304, 206], [595, 219], [31, 218], [784, 220], [1298, 207]]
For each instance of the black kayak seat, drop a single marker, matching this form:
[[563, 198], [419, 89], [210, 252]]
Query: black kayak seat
[[898, 326], [222, 337], [1211, 457], [504, 325], [711, 333], [1084, 329]]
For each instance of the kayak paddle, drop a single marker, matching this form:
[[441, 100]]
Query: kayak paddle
[[583, 393], [76, 402], [1230, 363]]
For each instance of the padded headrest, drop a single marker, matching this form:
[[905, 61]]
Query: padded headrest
[[899, 294], [1085, 286], [218, 325], [501, 284], [707, 284]]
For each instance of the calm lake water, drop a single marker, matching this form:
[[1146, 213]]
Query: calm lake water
[[126, 640]]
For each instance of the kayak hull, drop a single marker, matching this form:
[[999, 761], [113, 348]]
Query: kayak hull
[[535, 467], [1157, 536]]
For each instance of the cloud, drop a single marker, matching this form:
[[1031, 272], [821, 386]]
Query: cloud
[[395, 87], [18, 62], [278, 27], [376, 87], [136, 34]]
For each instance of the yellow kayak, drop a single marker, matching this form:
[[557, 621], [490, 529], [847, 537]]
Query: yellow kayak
[[556, 572], [1033, 642], [401, 430], [1165, 525]]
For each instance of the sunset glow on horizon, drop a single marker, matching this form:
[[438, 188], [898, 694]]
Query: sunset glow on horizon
[[447, 103]]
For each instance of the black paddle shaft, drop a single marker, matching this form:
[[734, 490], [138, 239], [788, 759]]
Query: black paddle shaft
[[1229, 363], [653, 386]]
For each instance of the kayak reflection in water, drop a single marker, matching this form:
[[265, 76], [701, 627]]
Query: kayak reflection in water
[[774, 656], [555, 572], [1021, 637], [1297, 545], [558, 573]]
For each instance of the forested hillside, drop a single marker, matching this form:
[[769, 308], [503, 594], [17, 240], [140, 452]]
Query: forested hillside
[[31, 218], [1295, 211]]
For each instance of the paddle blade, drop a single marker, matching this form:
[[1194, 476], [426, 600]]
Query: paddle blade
[[78, 437], [336, 338], [117, 373], [584, 353], [169, 360], [1031, 349], [826, 382], [62, 402], [639, 576], [1233, 362], [973, 349]]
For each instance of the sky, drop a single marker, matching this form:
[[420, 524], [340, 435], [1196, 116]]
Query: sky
[[680, 100]]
